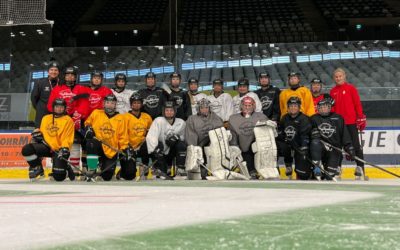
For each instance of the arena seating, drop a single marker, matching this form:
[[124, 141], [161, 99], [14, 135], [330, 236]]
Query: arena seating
[[134, 11]]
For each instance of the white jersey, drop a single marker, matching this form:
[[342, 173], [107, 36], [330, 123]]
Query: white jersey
[[194, 99], [237, 99], [221, 105], [160, 129], [123, 104]]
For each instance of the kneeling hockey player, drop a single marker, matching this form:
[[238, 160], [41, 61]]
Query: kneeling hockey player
[[54, 139], [165, 139], [196, 136], [328, 127], [106, 136], [255, 136], [294, 134]]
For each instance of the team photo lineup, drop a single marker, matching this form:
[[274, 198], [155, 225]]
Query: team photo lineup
[[87, 130]]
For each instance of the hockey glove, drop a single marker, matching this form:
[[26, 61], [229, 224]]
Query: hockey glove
[[128, 154], [37, 136], [63, 153], [351, 153], [89, 134], [361, 122], [315, 134], [171, 140], [157, 153]]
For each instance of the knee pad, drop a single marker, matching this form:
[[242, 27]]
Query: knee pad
[[59, 174], [28, 150], [107, 176], [302, 175]]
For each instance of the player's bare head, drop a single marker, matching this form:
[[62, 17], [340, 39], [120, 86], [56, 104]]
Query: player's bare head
[[136, 102], [247, 106], [293, 105], [243, 85], [203, 107], [150, 79], [263, 79], [110, 104], [339, 76], [175, 80], [193, 85]]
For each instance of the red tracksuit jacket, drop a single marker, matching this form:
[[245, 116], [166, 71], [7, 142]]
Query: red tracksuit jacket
[[347, 102]]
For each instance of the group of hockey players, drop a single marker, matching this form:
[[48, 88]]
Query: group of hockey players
[[88, 129]]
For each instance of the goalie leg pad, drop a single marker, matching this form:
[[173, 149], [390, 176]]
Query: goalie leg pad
[[265, 152], [194, 155], [218, 154]]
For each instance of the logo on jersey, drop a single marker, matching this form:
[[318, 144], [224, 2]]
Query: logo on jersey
[[178, 100], [139, 129], [266, 102], [52, 129], [151, 101], [106, 130], [290, 132], [326, 129], [94, 99], [246, 128]]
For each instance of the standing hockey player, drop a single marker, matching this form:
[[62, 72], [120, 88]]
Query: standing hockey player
[[221, 103], [348, 105], [165, 139], [243, 86], [294, 134], [269, 97], [328, 127], [41, 92], [54, 139], [196, 136], [255, 136], [153, 97], [177, 95], [97, 91], [295, 89], [194, 96], [106, 135], [138, 124], [122, 93]]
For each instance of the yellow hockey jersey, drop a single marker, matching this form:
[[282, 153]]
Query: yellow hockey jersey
[[58, 132], [307, 103], [110, 130], [137, 128]]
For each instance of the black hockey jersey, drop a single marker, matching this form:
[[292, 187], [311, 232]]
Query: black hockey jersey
[[295, 130], [269, 99], [180, 99], [153, 100]]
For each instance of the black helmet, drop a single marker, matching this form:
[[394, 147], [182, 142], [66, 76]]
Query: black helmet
[[243, 81], [316, 80], [291, 74], [327, 99], [150, 75], [59, 102], [193, 80], [53, 64], [294, 100], [169, 104], [120, 76], [96, 73], [135, 97], [218, 81], [70, 70], [175, 74], [110, 98], [263, 74]]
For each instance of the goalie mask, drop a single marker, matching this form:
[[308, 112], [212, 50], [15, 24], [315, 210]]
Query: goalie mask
[[203, 107], [247, 106], [110, 104], [59, 107]]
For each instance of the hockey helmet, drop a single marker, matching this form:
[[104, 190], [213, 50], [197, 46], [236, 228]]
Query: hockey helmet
[[263, 74], [175, 74], [120, 76], [203, 103], [243, 81], [59, 102], [169, 105], [135, 97], [294, 100], [150, 75]]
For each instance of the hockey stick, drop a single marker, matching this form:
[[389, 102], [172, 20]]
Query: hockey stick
[[156, 171], [326, 173], [359, 159], [78, 169]]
